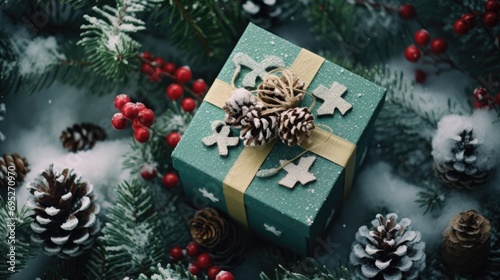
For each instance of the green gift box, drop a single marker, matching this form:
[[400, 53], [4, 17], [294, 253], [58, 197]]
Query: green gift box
[[296, 217]]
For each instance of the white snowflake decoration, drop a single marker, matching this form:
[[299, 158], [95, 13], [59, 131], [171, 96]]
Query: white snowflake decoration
[[332, 99], [259, 69], [298, 173], [221, 138], [208, 195], [272, 229]]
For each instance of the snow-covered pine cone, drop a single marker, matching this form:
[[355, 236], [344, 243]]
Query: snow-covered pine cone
[[14, 166], [270, 92], [466, 242], [259, 129], [295, 125], [390, 251], [461, 170], [218, 237], [238, 105], [64, 213], [81, 137]]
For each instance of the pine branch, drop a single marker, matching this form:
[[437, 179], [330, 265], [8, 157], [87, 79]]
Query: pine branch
[[67, 269], [17, 223], [342, 273], [204, 30], [131, 243], [432, 198], [107, 43], [171, 271]]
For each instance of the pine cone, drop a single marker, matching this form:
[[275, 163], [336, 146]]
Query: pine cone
[[259, 129], [296, 124], [82, 137], [390, 251], [238, 105], [461, 170], [64, 213], [14, 166], [283, 93], [466, 241], [217, 236]]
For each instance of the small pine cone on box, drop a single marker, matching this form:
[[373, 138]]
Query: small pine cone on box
[[238, 105], [296, 125], [466, 242], [217, 236], [14, 166], [281, 93], [81, 137], [64, 213], [390, 251], [260, 129]]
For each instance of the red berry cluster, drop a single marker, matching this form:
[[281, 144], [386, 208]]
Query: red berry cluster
[[433, 51], [142, 117], [482, 99], [489, 17], [149, 171], [156, 68], [199, 262]]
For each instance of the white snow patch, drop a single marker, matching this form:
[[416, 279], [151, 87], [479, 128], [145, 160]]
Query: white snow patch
[[484, 128], [37, 54]]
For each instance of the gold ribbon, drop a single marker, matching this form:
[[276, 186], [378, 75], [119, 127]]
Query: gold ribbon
[[322, 143]]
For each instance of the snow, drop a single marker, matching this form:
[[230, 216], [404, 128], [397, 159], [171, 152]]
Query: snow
[[36, 55], [484, 128]]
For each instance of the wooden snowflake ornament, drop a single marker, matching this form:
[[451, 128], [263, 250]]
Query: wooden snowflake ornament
[[332, 99], [221, 138], [298, 173], [259, 69]]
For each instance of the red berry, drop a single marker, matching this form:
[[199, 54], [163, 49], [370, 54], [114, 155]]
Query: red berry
[[422, 37], [460, 27], [136, 124], [118, 121], [146, 117], [147, 69], [159, 62], [149, 171], [490, 19], [188, 104], [420, 76], [406, 11], [412, 53], [174, 91], [169, 67], [469, 19], [147, 55], [140, 106], [438, 46], [199, 86], [142, 134], [129, 110], [491, 6], [224, 275], [192, 249], [497, 99], [480, 96], [173, 138], [156, 75], [183, 74], [170, 180], [204, 261], [213, 271], [194, 269], [121, 100], [176, 253]]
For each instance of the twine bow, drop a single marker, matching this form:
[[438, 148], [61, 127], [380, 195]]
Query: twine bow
[[280, 94]]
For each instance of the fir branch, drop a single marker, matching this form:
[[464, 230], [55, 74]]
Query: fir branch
[[431, 198], [21, 242], [171, 271], [203, 29], [98, 266], [67, 269], [130, 239], [107, 44], [342, 273]]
